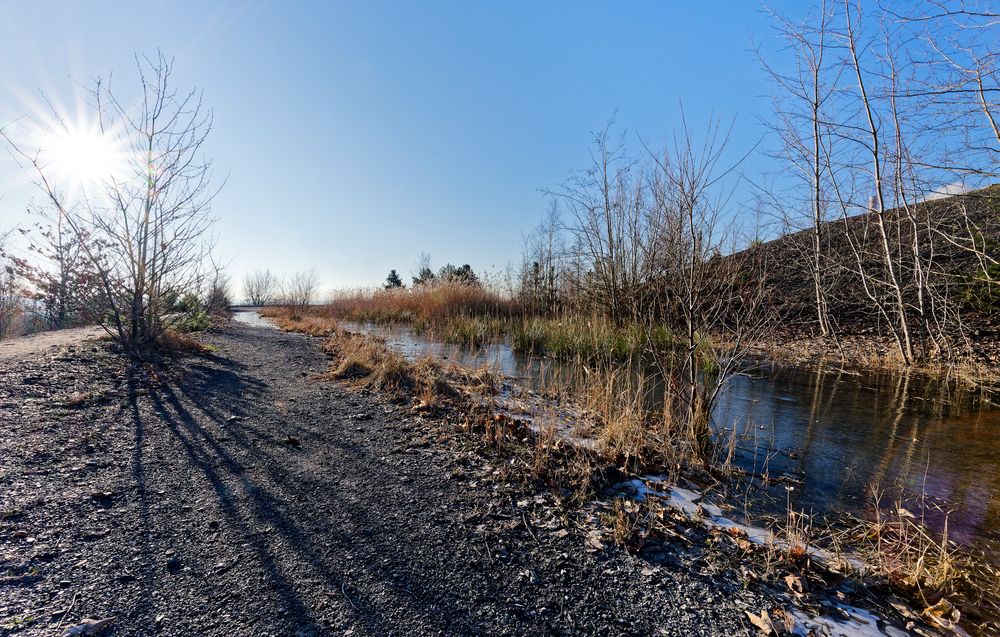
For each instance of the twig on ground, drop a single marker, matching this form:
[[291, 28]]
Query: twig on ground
[[66, 612], [343, 589]]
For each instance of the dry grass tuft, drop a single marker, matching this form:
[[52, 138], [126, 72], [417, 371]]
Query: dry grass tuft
[[175, 342], [485, 381], [630, 523], [370, 363], [900, 547], [621, 402], [897, 548], [631, 416], [311, 321]]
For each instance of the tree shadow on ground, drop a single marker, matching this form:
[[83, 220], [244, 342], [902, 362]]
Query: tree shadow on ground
[[245, 468]]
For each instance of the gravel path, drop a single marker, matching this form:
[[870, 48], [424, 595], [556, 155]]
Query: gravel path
[[234, 495], [36, 344]]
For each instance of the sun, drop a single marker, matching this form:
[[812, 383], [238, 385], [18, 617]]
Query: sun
[[83, 156]]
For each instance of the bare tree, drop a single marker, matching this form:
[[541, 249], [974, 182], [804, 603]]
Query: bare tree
[[805, 92], [260, 287], [958, 86], [713, 294], [542, 269], [422, 273], [655, 248], [218, 295], [893, 307], [301, 289], [154, 215], [609, 226]]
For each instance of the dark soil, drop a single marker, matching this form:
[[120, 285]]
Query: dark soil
[[233, 494]]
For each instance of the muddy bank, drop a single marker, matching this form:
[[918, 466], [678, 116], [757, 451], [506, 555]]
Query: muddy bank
[[979, 365]]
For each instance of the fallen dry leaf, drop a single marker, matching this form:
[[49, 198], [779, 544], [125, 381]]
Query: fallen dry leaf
[[795, 584], [762, 622], [943, 615], [777, 622]]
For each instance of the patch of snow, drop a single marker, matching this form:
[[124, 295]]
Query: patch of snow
[[857, 622]]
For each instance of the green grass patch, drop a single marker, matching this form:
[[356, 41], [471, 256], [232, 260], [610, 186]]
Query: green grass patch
[[573, 337]]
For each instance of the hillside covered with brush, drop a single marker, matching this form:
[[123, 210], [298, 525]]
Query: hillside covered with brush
[[942, 254]]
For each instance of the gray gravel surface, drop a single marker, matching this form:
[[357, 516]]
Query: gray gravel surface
[[233, 494]]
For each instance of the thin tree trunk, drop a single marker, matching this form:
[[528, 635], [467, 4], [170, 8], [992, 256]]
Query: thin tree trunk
[[903, 339]]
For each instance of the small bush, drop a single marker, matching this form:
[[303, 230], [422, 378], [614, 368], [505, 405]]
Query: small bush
[[196, 321]]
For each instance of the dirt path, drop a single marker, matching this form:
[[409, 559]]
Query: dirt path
[[236, 496], [34, 344]]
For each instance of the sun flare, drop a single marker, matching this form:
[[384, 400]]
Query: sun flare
[[84, 156]]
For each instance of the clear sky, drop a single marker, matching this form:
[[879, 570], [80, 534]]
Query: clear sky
[[356, 135]]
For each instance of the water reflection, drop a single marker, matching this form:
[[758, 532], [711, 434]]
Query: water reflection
[[846, 434]]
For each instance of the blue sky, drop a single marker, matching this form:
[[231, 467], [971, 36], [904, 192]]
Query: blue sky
[[356, 135]]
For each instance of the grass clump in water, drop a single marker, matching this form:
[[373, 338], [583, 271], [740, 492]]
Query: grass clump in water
[[588, 339]]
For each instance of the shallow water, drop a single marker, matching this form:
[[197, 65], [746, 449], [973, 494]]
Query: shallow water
[[250, 316], [842, 434], [846, 435]]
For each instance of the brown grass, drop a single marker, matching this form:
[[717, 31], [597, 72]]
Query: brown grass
[[175, 342], [369, 362], [899, 550], [424, 306], [900, 547], [311, 321], [631, 416]]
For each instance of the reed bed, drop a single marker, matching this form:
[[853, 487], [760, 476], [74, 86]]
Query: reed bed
[[430, 306], [587, 338], [475, 316]]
